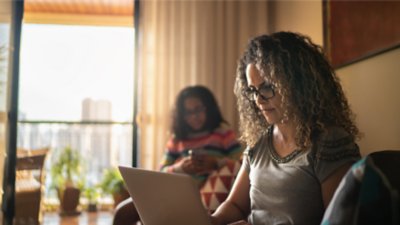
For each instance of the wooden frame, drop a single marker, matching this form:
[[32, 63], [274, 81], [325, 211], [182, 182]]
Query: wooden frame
[[355, 30]]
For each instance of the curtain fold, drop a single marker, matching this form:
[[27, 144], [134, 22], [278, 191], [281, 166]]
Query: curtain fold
[[185, 43]]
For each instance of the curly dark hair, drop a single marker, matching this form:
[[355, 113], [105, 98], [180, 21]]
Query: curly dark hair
[[214, 118], [312, 96]]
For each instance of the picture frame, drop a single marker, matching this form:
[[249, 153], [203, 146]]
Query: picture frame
[[356, 30]]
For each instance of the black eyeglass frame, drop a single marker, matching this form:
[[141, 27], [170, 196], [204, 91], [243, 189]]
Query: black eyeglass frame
[[252, 93]]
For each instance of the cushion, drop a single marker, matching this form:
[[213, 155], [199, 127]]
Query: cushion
[[218, 184]]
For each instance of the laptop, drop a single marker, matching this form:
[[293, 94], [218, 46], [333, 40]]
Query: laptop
[[165, 198]]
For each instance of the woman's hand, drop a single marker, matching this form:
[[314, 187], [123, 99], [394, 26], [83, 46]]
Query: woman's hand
[[197, 164], [205, 164], [187, 165]]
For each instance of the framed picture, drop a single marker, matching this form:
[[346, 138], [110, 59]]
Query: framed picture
[[355, 30]]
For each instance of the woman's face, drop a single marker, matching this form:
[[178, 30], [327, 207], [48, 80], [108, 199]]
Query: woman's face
[[194, 113], [270, 105]]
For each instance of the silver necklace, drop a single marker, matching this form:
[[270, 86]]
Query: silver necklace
[[274, 155]]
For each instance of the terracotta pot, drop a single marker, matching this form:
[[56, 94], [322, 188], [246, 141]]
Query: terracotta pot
[[120, 196], [69, 201]]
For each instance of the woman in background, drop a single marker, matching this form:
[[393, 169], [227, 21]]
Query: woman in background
[[202, 144], [299, 129]]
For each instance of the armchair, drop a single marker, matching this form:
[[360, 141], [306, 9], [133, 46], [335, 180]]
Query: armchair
[[368, 193], [28, 186]]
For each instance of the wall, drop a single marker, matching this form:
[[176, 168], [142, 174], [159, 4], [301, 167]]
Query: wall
[[372, 85], [298, 16]]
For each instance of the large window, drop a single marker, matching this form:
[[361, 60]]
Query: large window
[[76, 90]]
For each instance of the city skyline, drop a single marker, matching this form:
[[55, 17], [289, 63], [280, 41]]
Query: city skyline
[[22, 116], [101, 146]]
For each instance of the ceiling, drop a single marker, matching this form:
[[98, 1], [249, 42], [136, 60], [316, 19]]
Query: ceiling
[[99, 12]]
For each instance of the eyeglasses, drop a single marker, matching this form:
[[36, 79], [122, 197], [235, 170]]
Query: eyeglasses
[[196, 111], [265, 91]]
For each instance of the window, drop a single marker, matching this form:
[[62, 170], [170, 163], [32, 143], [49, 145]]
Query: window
[[76, 90]]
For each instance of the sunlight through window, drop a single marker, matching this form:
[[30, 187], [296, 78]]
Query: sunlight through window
[[76, 91]]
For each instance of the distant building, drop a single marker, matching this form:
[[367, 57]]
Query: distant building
[[96, 110], [97, 142], [102, 145]]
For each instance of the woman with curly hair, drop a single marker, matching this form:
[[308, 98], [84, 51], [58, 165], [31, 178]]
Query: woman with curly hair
[[201, 140], [299, 129]]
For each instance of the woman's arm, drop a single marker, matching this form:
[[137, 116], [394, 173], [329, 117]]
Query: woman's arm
[[336, 153], [330, 185], [168, 161], [237, 205]]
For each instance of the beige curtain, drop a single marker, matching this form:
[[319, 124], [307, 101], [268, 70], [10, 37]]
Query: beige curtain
[[185, 43]]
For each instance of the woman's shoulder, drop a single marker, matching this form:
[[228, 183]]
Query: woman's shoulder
[[335, 136], [336, 143], [260, 144]]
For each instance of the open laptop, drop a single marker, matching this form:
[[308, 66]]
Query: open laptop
[[164, 198]]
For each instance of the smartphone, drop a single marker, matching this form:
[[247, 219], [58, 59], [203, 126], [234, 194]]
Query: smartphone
[[197, 154]]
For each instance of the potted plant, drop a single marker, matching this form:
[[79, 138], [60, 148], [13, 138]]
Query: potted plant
[[92, 194], [66, 174], [114, 185]]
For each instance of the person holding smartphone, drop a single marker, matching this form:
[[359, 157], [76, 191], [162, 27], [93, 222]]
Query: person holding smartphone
[[202, 141], [202, 145]]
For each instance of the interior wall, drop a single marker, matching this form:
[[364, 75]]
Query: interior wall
[[297, 16], [371, 85]]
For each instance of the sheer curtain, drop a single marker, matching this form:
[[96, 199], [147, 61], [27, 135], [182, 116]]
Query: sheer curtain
[[186, 43]]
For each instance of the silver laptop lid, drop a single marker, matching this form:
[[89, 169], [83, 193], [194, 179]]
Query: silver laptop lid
[[164, 198]]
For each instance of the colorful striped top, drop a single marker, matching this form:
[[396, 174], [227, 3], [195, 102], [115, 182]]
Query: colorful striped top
[[221, 143]]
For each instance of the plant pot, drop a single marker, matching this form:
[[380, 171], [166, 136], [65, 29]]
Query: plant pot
[[120, 196], [92, 207], [69, 201]]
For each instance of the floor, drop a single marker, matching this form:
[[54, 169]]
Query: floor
[[85, 218]]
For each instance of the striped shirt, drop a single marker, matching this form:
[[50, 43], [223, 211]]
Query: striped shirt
[[221, 143]]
